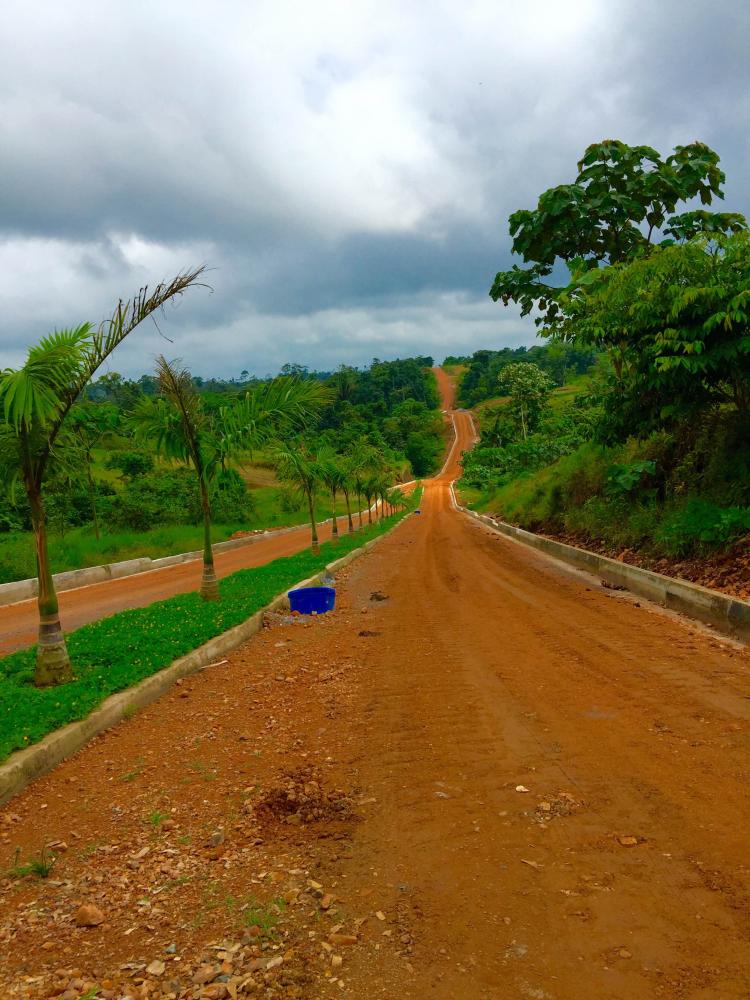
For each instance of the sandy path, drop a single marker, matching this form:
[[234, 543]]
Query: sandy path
[[621, 874]]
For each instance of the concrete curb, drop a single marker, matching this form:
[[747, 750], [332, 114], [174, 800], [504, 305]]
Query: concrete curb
[[24, 590], [729, 615], [24, 766]]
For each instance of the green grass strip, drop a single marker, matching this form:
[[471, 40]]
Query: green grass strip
[[118, 652]]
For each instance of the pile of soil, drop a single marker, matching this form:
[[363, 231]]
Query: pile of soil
[[300, 798]]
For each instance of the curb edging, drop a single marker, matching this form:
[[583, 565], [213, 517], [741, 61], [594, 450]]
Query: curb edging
[[24, 766], [729, 615], [70, 579]]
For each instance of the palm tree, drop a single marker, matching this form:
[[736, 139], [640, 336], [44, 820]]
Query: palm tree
[[333, 476], [179, 425], [396, 498], [370, 490], [296, 466], [356, 462], [181, 428], [36, 400]]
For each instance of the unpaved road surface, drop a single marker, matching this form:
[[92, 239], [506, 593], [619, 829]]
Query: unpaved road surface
[[480, 778], [19, 622]]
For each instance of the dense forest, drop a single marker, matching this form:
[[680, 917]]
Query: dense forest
[[631, 426]]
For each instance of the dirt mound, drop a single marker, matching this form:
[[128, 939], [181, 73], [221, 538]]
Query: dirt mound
[[300, 798]]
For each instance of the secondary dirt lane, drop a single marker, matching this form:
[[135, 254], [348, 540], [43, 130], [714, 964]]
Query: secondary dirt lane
[[19, 622], [530, 788]]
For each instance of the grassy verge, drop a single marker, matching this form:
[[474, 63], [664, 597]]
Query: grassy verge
[[117, 652], [79, 548]]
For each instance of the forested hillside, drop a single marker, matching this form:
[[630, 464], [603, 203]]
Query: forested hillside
[[648, 456], [480, 379]]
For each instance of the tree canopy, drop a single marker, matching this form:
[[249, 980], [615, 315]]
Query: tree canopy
[[622, 197]]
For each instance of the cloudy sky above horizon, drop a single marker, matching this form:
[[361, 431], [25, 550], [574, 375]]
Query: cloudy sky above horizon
[[345, 169]]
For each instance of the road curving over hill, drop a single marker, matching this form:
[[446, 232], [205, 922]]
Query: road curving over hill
[[524, 787]]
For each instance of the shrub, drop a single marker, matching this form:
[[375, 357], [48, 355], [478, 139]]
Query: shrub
[[702, 524]]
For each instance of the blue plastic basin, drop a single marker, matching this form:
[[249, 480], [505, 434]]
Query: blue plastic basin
[[312, 600]]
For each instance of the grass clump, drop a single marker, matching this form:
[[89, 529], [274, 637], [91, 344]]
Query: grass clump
[[39, 867]]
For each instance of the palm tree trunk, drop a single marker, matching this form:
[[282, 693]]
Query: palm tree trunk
[[369, 508], [359, 508], [209, 583], [334, 521], [52, 659], [92, 497], [349, 511], [313, 525]]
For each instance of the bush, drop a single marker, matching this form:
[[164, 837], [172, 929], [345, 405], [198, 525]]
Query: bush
[[131, 463], [173, 497], [702, 524]]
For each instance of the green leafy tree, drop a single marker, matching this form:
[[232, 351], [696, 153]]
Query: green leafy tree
[[680, 321], [88, 424], [621, 197], [36, 401], [528, 388], [131, 463]]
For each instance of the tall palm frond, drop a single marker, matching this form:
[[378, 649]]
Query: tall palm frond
[[155, 421], [274, 407], [36, 393]]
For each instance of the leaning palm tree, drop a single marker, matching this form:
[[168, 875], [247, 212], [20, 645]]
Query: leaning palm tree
[[296, 466], [36, 400]]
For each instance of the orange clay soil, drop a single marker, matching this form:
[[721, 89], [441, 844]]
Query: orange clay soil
[[480, 778]]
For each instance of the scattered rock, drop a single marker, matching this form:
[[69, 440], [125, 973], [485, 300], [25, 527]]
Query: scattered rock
[[156, 968], [521, 788], [204, 975], [348, 939], [88, 915], [628, 841]]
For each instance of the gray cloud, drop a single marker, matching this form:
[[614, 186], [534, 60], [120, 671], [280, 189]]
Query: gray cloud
[[346, 169]]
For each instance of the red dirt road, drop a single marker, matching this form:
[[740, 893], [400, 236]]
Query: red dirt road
[[549, 782], [19, 622]]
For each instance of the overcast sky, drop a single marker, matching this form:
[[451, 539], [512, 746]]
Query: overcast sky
[[345, 168]]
